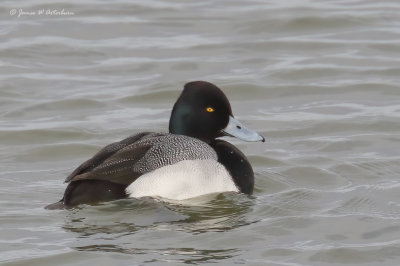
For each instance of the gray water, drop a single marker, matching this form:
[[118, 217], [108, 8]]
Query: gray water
[[319, 79]]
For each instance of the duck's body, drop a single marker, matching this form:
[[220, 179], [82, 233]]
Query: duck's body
[[186, 163]]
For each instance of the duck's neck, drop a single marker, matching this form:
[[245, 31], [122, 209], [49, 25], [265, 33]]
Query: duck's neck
[[178, 121]]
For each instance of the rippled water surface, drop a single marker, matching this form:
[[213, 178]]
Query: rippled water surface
[[319, 79]]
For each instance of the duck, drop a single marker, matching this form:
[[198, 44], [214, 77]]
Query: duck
[[189, 161]]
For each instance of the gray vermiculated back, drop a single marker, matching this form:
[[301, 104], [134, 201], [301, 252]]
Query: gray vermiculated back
[[149, 152], [170, 149]]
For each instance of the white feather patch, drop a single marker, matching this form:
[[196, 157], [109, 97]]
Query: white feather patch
[[183, 180]]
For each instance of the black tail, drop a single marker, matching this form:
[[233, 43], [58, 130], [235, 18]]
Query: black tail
[[89, 192], [56, 206]]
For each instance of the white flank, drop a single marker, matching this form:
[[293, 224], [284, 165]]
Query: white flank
[[183, 180]]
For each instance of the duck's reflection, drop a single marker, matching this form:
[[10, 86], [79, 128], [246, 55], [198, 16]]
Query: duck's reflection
[[132, 226], [204, 214], [177, 255]]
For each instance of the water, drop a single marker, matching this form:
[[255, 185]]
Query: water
[[319, 79]]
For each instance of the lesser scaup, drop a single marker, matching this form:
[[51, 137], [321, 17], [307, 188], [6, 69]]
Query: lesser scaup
[[188, 161]]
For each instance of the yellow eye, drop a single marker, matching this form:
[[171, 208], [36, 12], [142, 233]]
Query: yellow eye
[[210, 109]]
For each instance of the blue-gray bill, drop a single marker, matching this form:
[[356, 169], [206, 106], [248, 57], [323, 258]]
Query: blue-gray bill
[[238, 130]]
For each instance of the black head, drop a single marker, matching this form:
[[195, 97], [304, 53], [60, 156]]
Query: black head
[[201, 111]]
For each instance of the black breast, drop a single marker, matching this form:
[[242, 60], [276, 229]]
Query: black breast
[[237, 165]]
